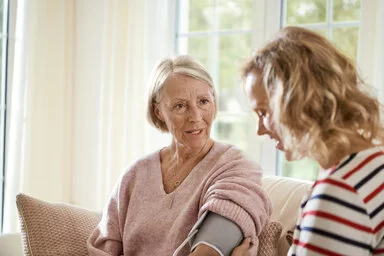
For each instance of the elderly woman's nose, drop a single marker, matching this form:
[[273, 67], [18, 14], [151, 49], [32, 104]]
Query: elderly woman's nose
[[194, 113]]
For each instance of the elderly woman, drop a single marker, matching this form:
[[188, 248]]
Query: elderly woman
[[310, 99], [157, 201]]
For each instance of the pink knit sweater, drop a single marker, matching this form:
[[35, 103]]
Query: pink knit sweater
[[141, 219]]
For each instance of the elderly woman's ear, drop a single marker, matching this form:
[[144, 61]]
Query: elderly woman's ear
[[157, 112]]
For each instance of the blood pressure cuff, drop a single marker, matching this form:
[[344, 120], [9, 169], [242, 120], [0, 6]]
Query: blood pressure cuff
[[218, 232]]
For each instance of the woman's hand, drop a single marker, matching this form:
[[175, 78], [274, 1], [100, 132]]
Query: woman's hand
[[242, 250], [204, 250]]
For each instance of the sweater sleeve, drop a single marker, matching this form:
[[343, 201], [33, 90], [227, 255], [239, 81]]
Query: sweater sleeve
[[235, 192], [106, 239]]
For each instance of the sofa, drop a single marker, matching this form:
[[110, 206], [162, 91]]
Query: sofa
[[45, 225]]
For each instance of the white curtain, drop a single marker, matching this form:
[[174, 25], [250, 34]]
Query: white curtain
[[39, 109], [371, 50], [76, 114], [117, 44]]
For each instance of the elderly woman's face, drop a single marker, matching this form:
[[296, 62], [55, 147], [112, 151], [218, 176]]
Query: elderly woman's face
[[259, 102], [187, 106]]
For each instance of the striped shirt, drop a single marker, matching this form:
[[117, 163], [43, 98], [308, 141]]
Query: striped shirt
[[344, 212]]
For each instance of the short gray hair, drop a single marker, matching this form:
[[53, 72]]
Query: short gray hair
[[184, 65]]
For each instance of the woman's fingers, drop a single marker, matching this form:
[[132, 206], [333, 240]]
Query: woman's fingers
[[242, 250], [246, 243]]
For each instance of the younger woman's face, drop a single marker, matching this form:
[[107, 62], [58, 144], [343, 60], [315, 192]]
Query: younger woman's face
[[259, 102]]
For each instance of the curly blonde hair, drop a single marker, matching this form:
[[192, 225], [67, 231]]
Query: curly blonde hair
[[182, 64], [316, 95]]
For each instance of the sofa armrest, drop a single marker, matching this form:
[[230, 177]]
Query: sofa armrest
[[286, 195], [10, 245]]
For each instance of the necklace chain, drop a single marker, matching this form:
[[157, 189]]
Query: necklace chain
[[177, 183], [174, 179]]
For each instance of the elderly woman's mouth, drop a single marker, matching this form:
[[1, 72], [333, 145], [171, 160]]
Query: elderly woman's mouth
[[194, 132]]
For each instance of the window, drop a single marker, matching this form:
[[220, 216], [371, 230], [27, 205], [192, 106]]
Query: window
[[339, 21], [222, 33], [3, 91]]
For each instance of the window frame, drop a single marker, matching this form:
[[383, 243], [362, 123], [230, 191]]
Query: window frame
[[3, 106], [329, 23]]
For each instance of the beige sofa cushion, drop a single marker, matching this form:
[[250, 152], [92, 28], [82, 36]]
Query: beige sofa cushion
[[286, 195], [54, 228]]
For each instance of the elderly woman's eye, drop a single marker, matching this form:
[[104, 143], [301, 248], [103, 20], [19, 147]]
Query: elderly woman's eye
[[204, 101], [179, 106]]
